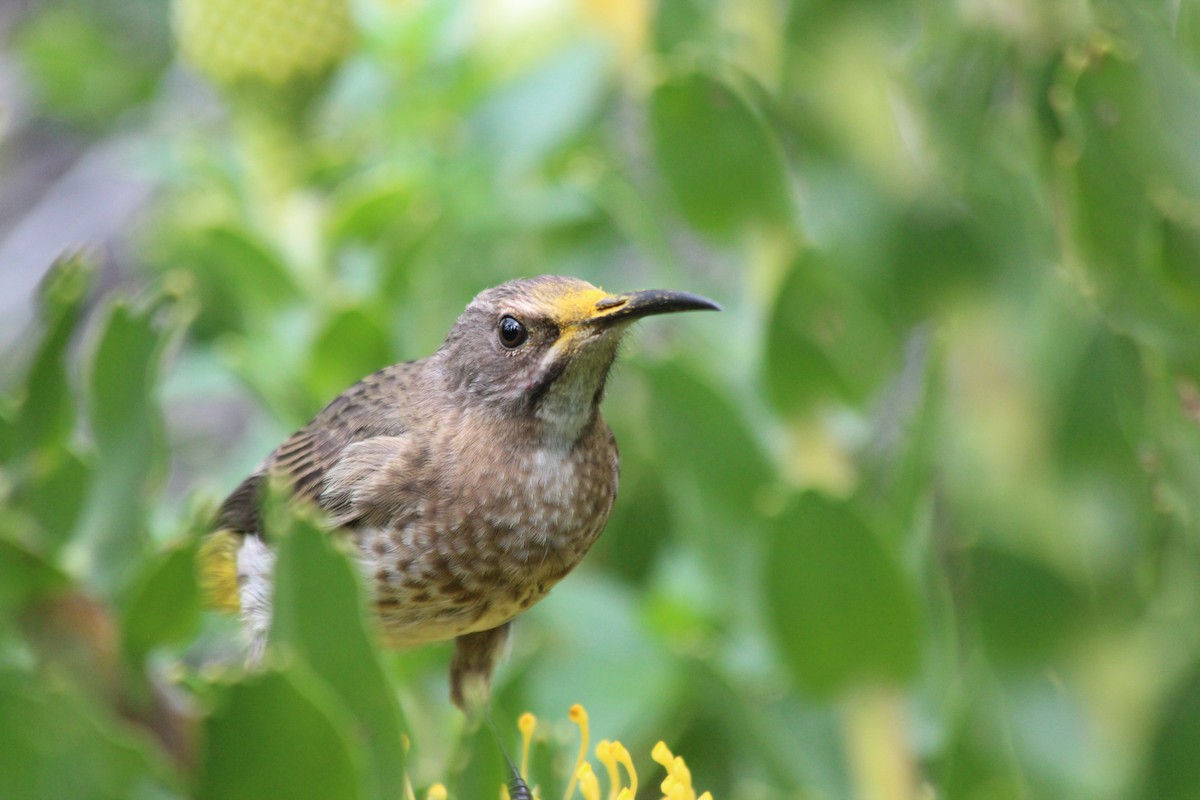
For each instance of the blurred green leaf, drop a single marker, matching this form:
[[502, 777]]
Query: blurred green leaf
[[53, 492], [47, 411], [277, 735], [721, 163], [939, 251], [370, 208], [1028, 612], [127, 426], [239, 276], [681, 23], [1102, 416], [1181, 263], [825, 340], [1173, 772], [351, 345], [702, 433], [640, 525], [969, 765], [24, 574], [319, 614], [83, 65], [54, 745], [163, 605], [525, 121], [841, 610]]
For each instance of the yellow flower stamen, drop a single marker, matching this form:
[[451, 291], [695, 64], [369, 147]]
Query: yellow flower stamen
[[612, 754], [589, 786], [437, 792], [678, 783], [527, 724], [579, 716], [604, 753]]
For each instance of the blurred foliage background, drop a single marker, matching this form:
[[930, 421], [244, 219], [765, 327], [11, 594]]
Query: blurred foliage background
[[917, 516]]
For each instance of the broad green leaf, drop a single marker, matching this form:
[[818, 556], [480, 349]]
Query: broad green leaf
[[526, 121], [86, 70], [319, 614], [1027, 611], [940, 253], [1101, 421], [968, 764], [722, 164], [640, 525], [682, 23], [48, 408], [352, 345], [127, 427], [370, 209], [1173, 771], [240, 279], [55, 745], [842, 612], [701, 432], [24, 574], [53, 491], [163, 605], [826, 340], [277, 735]]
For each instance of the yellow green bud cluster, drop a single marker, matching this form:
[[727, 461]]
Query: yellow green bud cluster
[[268, 41]]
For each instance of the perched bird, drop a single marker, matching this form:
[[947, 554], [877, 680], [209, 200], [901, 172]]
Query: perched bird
[[469, 482]]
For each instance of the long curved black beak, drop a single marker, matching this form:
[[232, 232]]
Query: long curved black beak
[[632, 305]]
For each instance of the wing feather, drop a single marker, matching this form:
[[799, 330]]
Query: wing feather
[[373, 408]]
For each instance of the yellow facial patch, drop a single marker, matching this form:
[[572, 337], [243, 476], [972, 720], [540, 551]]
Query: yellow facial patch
[[571, 307], [575, 305]]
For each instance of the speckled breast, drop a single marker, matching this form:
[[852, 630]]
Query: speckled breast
[[488, 538]]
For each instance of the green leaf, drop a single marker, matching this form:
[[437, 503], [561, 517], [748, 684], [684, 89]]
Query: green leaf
[[53, 492], [1027, 611], [164, 605], [525, 122], [1173, 771], [940, 251], [1101, 421], [55, 745], [841, 610], [319, 614], [128, 432], [369, 209], [681, 23], [353, 344], [47, 412], [241, 279], [640, 525], [722, 164], [825, 340], [277, 735], [24, 574], [701, 432]]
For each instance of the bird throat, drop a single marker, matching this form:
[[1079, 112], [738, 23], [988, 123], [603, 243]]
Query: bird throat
[[567, 406]]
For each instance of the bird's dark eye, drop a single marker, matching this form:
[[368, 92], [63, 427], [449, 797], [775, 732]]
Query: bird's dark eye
[[512, 333]]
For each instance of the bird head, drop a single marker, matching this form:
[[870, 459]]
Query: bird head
[[540, 349]]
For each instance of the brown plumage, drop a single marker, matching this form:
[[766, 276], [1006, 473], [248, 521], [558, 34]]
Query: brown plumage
[[470, 481]]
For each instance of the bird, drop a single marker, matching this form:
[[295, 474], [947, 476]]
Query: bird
[[467, 483]]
